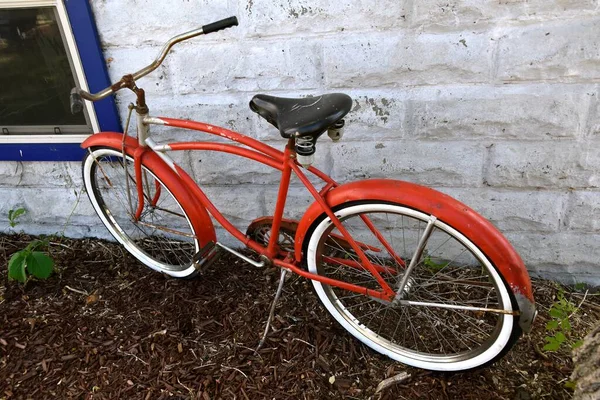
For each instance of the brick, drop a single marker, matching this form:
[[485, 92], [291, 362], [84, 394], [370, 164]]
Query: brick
[[566, 257], [228, 111], [240, 203], [515, 211], [470, 14], [382, 59], [298, 200], [443, 164], [567, 51], [551, 164], [376, 116], [156, 21], [51, 206], [72, 230], [592, 125], [442, 15], [584, 207], [218, 168], [127, 60], [265, 17], [515, 112], [46, 174], [246, 66], [543, 9]]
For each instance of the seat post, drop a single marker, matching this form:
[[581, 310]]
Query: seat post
[[289, 155]]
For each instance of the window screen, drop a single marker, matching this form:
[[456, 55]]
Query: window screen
[[36, 75]]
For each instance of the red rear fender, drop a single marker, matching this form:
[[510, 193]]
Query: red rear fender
[[452, 212]]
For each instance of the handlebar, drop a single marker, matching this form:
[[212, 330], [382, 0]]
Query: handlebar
[[78, 94]]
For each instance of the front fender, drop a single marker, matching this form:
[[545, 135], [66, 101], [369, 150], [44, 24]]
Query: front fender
[[452, 212], [110, 139], [197, 213]]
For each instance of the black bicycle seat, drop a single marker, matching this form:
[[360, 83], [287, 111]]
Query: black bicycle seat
[[302, 117]]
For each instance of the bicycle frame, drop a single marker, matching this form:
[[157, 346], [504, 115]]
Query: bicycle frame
[[454, 213], [267, 155]]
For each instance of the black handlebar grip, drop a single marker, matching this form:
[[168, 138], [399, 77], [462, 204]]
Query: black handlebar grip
[[222, 24], [76, 102]]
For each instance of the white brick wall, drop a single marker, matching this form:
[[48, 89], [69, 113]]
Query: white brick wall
[[493, 102]]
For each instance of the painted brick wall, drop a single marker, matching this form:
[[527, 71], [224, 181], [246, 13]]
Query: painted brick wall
[[493, 102]]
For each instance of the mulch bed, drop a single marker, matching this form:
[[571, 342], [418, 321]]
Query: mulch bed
[[105, 327]]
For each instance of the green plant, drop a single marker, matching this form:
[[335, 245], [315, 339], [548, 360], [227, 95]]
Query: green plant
[[559, 326], [30, 262], [13, 216], [432, 265]]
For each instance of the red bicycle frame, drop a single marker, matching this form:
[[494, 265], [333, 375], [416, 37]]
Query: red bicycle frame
[[286, 163], [483, 233]]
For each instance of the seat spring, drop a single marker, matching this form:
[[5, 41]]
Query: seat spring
[[305, 146]]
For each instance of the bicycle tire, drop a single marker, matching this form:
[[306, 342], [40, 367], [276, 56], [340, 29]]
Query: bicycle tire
[[451, 272], [164, 237]]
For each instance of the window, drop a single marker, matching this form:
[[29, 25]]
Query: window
[[39, 64]]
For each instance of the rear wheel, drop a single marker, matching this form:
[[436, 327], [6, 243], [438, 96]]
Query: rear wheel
[[455, 312], [163, 238]]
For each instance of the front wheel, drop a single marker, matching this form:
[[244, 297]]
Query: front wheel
[[163, 238], [455, 312]]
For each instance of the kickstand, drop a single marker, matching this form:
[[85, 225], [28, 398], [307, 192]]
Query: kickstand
[[272, 312]]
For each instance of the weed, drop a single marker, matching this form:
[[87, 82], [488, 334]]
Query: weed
[[13, 216], [560, 325], [30, 262]]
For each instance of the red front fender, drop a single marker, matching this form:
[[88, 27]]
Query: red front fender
[[199, 218], [452, 212], [110, 139]]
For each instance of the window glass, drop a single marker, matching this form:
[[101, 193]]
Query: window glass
[[35, 74]]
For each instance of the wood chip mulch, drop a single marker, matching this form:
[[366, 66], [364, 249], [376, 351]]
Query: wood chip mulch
[[105, 327]]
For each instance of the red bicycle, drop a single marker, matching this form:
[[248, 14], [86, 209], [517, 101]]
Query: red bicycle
[[409, 271]]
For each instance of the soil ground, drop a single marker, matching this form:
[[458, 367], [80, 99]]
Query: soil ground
[[105, 327]]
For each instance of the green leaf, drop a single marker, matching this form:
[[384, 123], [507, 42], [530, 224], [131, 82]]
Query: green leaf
[[428, 261], [577, 344], [579, 286], [40, 265], [16, 267], [13, 215], [570, 385], [551, 344], [560, 337], [557, 313], [565, 325], [18, 212], [551, 325]]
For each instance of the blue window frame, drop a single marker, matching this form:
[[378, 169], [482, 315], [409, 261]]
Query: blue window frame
[[89, 69]]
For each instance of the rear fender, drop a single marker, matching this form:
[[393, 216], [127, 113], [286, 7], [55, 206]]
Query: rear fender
[[197, 213], [452, 212]]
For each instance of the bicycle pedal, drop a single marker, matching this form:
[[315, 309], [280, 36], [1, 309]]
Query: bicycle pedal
[[206, 256]]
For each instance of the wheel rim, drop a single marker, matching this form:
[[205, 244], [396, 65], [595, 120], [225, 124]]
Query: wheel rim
[[163, 238], [451, 272]]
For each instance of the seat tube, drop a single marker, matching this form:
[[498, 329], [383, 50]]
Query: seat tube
[[286, 173]]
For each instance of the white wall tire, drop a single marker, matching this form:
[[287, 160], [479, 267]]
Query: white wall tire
[[174, 254], [503, 332]]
